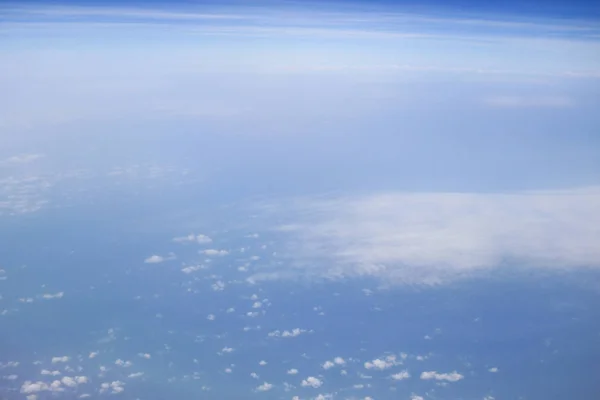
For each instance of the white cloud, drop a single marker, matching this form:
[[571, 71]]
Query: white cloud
[[339, 361], [450, 377], [190, 269], [11, 377], [382, 363], [93, 354], [493, 369], [264, 387], [227, 350], [313, 382], [68, 381], [214, 252], [135, 375], [155, 259], [292, 371], [218, 286], [62, 359], [115, 387], [433, 238], [58, 295], [416, 397], [262, 363], [123, 363], [254, 375], [145, 355], [200, 239], [401, 375], [22, 159], [211, 317], [48, 372], [328, 364]]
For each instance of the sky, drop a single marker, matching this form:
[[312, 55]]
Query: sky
[[299, 199]]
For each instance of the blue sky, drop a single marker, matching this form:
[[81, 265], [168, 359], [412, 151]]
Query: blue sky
[[299, 200]]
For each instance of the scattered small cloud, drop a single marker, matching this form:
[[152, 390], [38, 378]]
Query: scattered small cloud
[[214, 252], [265, 387], [192, 238], [313, 382], [450, 377], [155, 259], [402, 375]]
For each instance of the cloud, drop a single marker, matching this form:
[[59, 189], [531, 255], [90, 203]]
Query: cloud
[[155, 259], [493, 369], [115, 387], [135, 375], [22, 159], [190, 269], [62, 359], [122, 363], [313, 382], [401, 375], [200, 239], [292, 371], [264, 387], [214, 252], [58, 295], [328, 364], [382, 363], [450, 377], [432, 238], [529, 102]]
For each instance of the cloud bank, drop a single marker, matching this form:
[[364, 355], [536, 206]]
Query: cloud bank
[[432, 238]]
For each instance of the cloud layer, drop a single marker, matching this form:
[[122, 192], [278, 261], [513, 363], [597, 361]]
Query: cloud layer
[[436, 237]]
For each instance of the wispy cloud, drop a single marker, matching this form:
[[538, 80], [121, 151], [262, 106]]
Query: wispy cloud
[[433, 238]]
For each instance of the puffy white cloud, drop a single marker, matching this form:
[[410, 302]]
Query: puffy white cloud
[[292, 371], [227, 350], [254, 375], [33, 387], [155, 259], [214, 252], [287, 334], [328, 365], [190, 269], [135, 375], [416, 397], [382, 363], [68, 381], [123, 363], [22, 158], [262, 363], [339, 361], [201, 239], [313, 382], [93, 354], [81, 379], [401, 375], [62, 359], [145, 355], [493, 369], [211, 317], [218, 286], [48, 372], [450, 377], [49, 296], [433, 238], [264, 387], [114, 387]]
